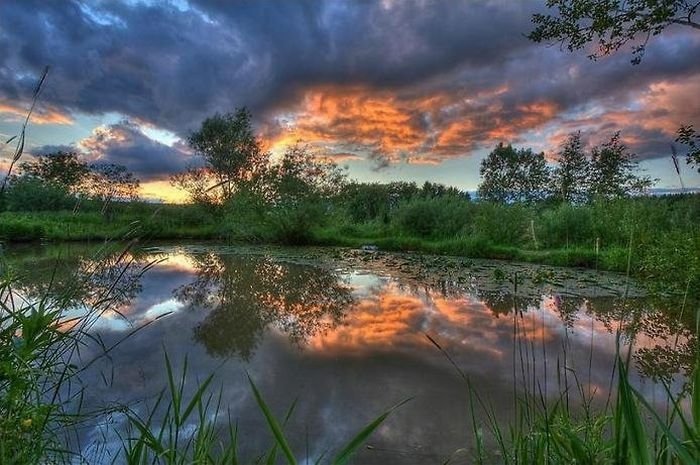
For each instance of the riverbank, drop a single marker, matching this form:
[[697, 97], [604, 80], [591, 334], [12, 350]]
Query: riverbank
[[653, 238]]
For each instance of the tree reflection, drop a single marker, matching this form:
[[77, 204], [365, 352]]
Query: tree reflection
[[105, 277], [246, 294]]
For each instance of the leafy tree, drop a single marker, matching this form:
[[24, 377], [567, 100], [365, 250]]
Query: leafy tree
[[110, 182], [691, 139], [62, 169], [301, 174], [571, 177], [299, 188], [231, 153], [611, 23], [613, 171], [510, 175], [197, 182], [431, 190]]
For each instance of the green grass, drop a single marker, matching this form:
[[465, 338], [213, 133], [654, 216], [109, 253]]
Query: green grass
[[596, 235]]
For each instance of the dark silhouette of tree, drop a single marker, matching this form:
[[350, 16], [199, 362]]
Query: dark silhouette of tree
[[611, 24], [302, 175], [691, 139], [571, 178], [232, 157], [510, 175], [246, 294], [613, 170], [63, 169]]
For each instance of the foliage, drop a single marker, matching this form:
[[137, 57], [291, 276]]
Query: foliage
[[196, 181], [691, 139], [510, 175], [29, 193], [110, 182], [612, 171], [302, 175], [63, 169], [611, 24], [231, 153], [433, 217], [571, 177]]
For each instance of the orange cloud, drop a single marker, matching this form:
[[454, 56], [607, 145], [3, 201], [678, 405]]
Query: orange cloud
[[390, 318], [425, 129], [39, 116]]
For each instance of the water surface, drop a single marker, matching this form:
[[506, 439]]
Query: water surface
[[350, 333]]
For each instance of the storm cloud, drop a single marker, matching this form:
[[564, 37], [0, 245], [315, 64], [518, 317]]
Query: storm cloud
[[385, 80]]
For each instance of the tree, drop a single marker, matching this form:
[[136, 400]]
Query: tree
[[302, 175], [109, 182], [29, 193], [613, 171], [63, 169], [298, 189], [691, 139], [510, 175], [231, 152], [611, 23], [197, 181], [570, 178]]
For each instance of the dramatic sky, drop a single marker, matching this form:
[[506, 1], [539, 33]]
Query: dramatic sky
[[410, 90]]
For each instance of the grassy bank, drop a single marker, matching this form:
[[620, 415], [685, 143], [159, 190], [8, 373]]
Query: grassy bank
[[650, 235]]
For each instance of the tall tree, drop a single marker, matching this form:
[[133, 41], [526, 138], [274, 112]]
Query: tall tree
[[610, 24], [302, 175], [571, 178], [63, 169], [613, 170], [510, 175], [231, 152]]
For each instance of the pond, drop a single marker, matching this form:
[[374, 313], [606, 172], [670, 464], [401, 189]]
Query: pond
[[349, 333]]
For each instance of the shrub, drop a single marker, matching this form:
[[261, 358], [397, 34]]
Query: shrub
[[31, 194], [440, 217], [565, 225]]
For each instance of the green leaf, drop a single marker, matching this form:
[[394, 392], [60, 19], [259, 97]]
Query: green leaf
[[273, 424], [346, 453]]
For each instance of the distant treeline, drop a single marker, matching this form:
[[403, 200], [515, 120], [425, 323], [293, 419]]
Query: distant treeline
[[585, 211]]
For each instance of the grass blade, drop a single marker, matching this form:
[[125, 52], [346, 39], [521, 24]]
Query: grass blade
[[346, 453], [273, 424]]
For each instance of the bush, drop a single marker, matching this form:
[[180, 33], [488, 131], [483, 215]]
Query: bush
[[31, 194], [440, 217], [19, 229], [566, 225], [503, 224], [293, 225]]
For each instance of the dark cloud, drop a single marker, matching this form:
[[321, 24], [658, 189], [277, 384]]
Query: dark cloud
[[125, 144], [173, 67]]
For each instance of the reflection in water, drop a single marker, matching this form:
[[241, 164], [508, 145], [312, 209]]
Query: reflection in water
[[346, 334], [245, 294]]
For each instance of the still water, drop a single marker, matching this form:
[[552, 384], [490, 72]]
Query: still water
[[348, 334]]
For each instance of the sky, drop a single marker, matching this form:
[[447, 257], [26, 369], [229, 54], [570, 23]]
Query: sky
[[410, 90]]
